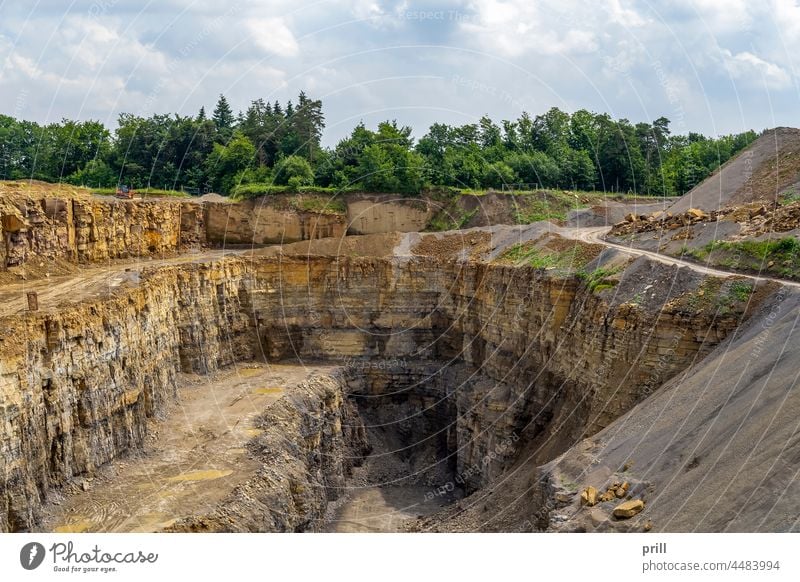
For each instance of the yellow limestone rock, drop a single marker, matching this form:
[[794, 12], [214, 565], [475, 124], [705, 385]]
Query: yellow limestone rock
[[589, 496], [628, 509], [696, 213]]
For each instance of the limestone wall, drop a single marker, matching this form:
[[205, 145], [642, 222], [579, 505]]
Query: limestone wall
[[545, 352], [535, 360], [256, 222], [86, 230], [376, 213], [77, 385]]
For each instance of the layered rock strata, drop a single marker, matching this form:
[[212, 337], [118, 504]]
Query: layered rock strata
[[485, 361]]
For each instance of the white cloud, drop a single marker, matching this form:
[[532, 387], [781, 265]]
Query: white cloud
[[753, 69], [274, 36], [632, 58], [515, 27], [625, 16], [721, 16]]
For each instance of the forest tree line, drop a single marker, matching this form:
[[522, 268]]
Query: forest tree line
[[272, 145]]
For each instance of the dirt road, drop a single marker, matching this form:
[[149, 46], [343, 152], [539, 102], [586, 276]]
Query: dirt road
[[93, 282], [595, 235]]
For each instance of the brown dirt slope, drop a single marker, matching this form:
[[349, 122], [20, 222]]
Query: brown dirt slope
[[761, 172]]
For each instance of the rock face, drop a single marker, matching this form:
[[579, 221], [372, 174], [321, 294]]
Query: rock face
[[536, 351], [369, 214], [498, 359], [311, 441], [90, 230], [258, 222], [729, 425], [77, 386]]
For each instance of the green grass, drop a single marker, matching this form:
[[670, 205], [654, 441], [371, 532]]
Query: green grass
[[789, 196], [599, 279], [736, 292], [566, 261], [780, 257], [138, 193], [538, 210], [740, 290], [548, 205], [697, 254], [529, 205], [245, 191], [442, 221]]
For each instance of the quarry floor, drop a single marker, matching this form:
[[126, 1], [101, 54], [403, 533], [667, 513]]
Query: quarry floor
[[197, 455], [194, 457]]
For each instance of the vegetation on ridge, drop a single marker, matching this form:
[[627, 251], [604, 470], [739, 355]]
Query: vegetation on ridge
[[272, 147]]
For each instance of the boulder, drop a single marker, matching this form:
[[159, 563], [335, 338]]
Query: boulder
[[696, 214], [589, 496], [13, 222], [628, 509]]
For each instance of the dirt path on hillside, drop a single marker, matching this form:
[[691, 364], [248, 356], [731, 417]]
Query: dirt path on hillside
[[93, 282], [595, 236], [192, 460]]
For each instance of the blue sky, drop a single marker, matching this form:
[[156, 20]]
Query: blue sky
[[714, 66]]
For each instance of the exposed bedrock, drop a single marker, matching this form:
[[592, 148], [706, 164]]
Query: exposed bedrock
[[311, 440], [91, 230], [462, 367], [76, 386]]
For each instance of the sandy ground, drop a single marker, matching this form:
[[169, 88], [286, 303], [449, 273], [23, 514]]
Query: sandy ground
[[193, 459], [384, 509]]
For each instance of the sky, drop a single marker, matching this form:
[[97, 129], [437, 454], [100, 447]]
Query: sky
[[711, 66]]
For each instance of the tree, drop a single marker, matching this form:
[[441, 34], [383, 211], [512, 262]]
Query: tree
[[583, 150], [308, 123], [498, 175], [96, 174], [227, 162], [535, 169], [263, 127], [224, 119], [294, 171]]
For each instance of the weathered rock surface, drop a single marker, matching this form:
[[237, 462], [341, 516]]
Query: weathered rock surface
[[504, 363], [76, 386], [311, 440], [86, 229], [257, 222]]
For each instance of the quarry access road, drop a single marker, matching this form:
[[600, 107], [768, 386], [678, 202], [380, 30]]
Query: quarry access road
[[595, 235], [93, 282]]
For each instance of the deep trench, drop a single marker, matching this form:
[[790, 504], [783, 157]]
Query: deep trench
[[410, 469]]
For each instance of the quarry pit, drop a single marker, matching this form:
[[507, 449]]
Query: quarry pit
[[393, 381]]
